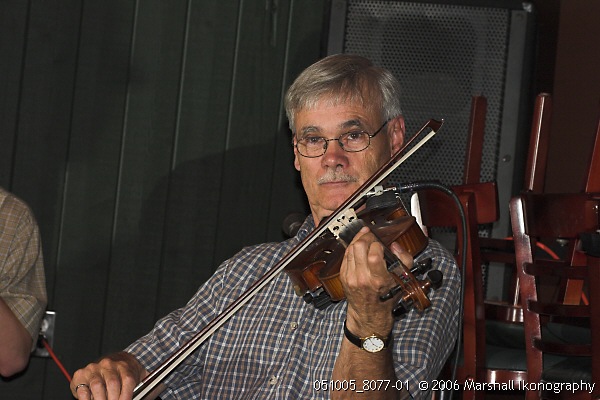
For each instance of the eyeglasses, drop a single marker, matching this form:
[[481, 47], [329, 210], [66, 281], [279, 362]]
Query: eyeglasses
[[352, 142]]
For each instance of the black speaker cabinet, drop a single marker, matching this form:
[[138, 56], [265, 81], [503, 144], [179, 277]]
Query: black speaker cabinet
[[443, 53]]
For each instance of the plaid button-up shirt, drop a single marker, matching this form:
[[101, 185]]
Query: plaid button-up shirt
[[279, 347], [22, 279]]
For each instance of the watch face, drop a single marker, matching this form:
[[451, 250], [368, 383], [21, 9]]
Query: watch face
[[373, 344]]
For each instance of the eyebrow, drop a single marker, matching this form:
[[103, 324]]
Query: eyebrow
[[352, 123]]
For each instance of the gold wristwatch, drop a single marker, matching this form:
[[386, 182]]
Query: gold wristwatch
[[372, 343]]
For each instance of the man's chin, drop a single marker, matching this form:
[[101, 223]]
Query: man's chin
[[334, 202], [334, 195]]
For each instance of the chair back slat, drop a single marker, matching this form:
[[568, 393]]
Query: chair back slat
[[472, 170], [593, 178], [560, 310], [535, 168]]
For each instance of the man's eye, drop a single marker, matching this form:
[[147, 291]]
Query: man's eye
[[313, 140], [355, 135]]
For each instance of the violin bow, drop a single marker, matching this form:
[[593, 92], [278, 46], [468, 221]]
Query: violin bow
[[159, 374]]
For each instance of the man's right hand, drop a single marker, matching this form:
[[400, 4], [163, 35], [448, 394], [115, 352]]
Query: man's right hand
[[112, 378]]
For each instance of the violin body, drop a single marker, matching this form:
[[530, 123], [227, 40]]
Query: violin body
[[315, 271]]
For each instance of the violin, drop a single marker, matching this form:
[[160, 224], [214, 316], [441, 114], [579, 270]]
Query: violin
[[413, 291], [315, 271]]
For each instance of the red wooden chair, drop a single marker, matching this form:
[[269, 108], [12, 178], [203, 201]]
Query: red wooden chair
[[479, 202], [479, 362], [501, 250], [562, 340], [493, 346], [562, 328]]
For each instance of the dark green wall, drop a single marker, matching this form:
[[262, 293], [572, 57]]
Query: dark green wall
[[149, 139]]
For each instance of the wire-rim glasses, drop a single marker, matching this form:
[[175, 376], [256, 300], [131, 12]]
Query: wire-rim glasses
[[352, 142]]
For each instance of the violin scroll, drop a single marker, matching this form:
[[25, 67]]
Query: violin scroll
[[415, 298]]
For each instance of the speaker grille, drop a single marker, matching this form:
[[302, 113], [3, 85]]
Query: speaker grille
[[442, 55]]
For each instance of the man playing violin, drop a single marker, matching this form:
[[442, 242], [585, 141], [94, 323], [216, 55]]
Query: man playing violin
[[346, 120]]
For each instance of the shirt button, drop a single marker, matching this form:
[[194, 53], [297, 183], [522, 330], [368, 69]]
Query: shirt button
[[294, 326], [273, 380]]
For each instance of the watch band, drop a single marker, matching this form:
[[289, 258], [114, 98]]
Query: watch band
[[358, 341]]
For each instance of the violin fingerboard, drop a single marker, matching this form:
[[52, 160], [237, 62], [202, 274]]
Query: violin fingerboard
[[349, 230]]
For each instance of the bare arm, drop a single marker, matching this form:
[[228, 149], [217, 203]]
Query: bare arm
[[365, 278], [114, 377], [15, 342]]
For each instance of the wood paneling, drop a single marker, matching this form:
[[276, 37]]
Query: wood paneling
[[150, 141]]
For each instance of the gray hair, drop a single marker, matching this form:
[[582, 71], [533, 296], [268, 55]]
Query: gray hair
[[344, 78]]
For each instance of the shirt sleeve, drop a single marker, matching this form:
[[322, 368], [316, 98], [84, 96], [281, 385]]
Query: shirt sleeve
[[22, 279], [179, 327], [231, 279]]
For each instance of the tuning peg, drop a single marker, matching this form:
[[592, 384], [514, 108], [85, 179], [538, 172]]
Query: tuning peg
[[435, 277], [421, 267]]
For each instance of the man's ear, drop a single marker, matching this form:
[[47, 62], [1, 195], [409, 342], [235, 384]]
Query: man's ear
[[296, 162], [396, 132]]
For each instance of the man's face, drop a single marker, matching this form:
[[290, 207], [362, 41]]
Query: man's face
[[331, 178]]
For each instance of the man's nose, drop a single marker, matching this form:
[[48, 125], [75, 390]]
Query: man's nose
[[333, 153]]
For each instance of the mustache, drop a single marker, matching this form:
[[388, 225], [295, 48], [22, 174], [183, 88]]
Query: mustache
[[333, 175]]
